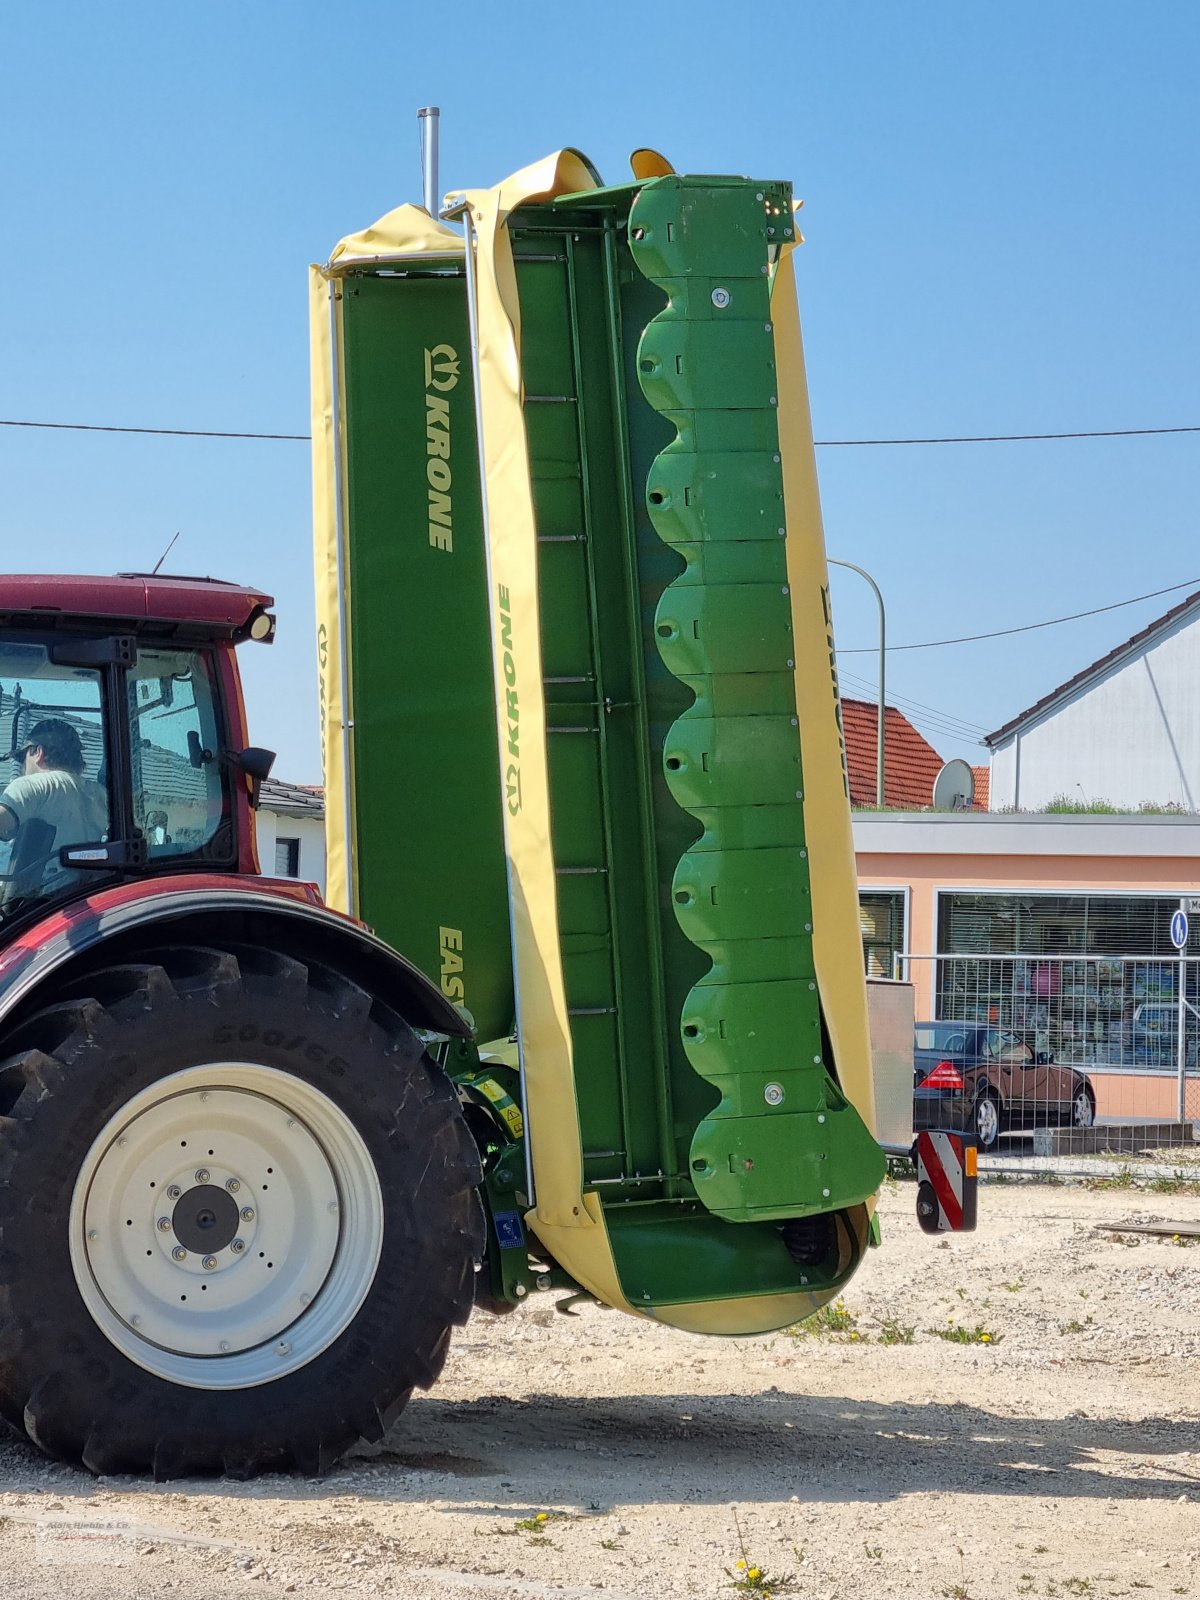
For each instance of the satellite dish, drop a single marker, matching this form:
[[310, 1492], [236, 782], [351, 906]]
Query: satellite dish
[[954, 787]]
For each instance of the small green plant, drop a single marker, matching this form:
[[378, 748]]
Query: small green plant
[[534, 1524], [1075, 1326], [953, 1334], [1183, 1241], [1078, 1585], [1041, 1549], [959, 1590], [1177, 1183], [1123, 1178], [609, 1544], [831, 1319], [893, 1332], [1015, 1286], [537, 1526], [749, 1577], [961, 1293], [874, 1551]]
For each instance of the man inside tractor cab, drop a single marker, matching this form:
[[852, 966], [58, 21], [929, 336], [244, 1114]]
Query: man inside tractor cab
[[51, 792]]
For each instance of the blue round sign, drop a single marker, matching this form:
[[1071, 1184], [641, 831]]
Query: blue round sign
[[1179, 929]]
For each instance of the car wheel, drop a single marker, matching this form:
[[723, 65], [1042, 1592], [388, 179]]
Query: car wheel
[[987, 1121], [1083, 1107]]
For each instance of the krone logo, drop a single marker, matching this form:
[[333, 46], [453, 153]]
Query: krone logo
[[441, 368], [441, 373]]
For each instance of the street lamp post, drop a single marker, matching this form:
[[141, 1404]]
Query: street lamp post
[[879, 747]]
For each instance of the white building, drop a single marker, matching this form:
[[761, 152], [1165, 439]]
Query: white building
[[291, 832], [1126, 729]]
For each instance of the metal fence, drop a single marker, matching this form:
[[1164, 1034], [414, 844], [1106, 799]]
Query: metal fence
[[1129, 1025]]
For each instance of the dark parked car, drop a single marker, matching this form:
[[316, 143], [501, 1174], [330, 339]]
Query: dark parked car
[[977, 1078]]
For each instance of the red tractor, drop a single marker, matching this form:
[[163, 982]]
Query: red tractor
[[238, 1209]]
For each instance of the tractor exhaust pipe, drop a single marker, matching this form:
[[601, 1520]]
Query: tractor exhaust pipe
[[428, 122]]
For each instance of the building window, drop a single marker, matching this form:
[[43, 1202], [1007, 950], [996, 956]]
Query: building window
[[1027, 922], [1088, 978], [287, 858], [881, 918]]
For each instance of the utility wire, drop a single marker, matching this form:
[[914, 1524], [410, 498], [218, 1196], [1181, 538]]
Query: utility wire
[[1017, 438], [916, 711], [176, 433], [1028, 627], [305, 438], [902, 700], [918, 719]]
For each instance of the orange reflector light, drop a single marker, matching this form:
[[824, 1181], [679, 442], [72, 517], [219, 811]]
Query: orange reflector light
[[970, 1161]]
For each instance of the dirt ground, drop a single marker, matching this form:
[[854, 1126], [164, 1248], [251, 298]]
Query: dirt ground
[[1058, 1456]]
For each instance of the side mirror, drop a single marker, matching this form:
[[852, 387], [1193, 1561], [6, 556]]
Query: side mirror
[[256, 763]]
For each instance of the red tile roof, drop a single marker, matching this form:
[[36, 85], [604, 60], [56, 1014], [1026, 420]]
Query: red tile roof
[[910, 763], [983, 788]]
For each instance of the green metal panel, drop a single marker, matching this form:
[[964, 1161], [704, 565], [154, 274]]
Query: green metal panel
[[430, 853], [674, 752]]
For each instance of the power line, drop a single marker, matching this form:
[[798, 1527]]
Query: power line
[[175, 433], [1016, 438], [305, 438], [919, 719], [903, 700], [944, 722], [1028, 627]]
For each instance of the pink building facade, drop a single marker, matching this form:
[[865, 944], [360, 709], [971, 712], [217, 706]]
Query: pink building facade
[[943, 895]]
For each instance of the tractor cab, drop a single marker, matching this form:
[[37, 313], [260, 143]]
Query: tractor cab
[[122, 733]]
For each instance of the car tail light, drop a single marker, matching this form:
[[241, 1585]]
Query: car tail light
[[944, 1076]]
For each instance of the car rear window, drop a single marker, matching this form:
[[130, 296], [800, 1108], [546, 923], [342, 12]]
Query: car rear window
[[939, 1035]]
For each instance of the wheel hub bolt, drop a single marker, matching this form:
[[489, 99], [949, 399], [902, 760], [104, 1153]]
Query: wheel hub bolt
[[164, 1224], [232, 1185], [238, 1246], [202, 1174], [174, 1192], [209, 1263], [283, 1348], [179, 1253], [247, 1213]]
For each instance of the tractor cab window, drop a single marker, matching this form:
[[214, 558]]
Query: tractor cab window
[[53, 780], [181, 799]]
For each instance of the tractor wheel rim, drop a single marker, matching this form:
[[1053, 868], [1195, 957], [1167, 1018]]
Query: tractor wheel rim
[[226, 1226], [987, 1123]]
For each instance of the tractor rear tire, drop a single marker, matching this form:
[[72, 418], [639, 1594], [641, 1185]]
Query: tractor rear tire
[[238, 1217]]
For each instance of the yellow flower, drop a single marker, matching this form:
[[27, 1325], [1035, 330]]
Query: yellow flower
[[985, 1338], [1175, 1237], [741, 1563], [754, 1574], [542, 1516]]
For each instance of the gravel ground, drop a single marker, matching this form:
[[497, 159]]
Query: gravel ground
[[1060, 1455]]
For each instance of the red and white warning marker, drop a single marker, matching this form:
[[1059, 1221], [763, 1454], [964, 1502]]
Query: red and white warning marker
[[947, 1181]]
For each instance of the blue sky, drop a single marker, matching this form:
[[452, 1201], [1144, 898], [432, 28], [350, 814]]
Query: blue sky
[[1002, 237]]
